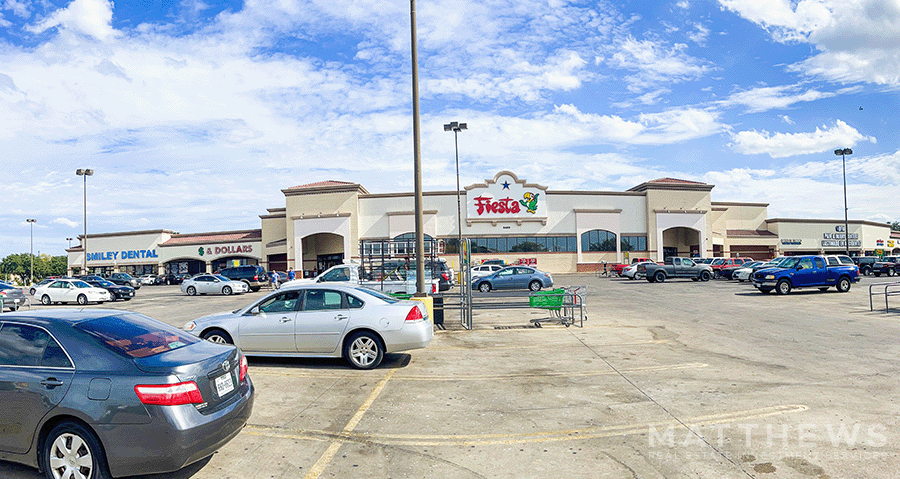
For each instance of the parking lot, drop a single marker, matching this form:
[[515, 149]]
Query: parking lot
[[670, 380]]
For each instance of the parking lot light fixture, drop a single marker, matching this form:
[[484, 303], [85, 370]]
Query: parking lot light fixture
[[456, 127], [31, 222], [84, 173], [843, 153]]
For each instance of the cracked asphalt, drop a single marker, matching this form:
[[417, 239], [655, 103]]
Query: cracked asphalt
[[671, 380]]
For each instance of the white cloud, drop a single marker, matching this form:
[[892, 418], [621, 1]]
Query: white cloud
[[700, 35], [87, 17], [65, 222], [777, 97], [782, 145], [655, 63], [663, 128], [787, 119], [857, 40]]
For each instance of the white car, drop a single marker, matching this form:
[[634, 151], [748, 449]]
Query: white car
[[322, 320], [213, 284], [743, 274], [148, 279], [630, 271], [485, 269], [70, 291]]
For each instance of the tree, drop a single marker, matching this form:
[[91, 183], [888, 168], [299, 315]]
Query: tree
[[19, 266], [895, 226]]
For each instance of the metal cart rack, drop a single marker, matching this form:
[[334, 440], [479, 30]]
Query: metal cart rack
[[566, 305]]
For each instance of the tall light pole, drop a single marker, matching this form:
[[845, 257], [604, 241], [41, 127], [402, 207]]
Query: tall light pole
[[70, 242], [456, 127], [31, 222], [417, 159], [843, 153], [84, 173]]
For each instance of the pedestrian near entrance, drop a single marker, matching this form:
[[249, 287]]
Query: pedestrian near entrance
[[290, 274]]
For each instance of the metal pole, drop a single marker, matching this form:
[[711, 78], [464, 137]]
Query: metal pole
[[31, 222], [846, 220], [458, 204], [84, 242], [417, 160]]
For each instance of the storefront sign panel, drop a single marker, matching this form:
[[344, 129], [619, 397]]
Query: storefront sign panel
[[125, 255], [506, 198]]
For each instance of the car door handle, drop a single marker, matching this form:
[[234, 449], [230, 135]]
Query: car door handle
[[51, 383], [286, 319], [340, 317]]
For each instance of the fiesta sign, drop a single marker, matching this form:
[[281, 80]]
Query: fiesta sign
[[506, 197]]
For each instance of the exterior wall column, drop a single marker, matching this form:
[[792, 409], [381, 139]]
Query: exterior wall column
[[209, 266]]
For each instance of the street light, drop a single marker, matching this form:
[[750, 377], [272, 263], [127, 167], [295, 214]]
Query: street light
[[456, 127], [84, 173], [70, 242], [31, 222], [842, 154]]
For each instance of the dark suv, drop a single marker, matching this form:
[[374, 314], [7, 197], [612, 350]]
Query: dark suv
[[866, 263], [889, 265], [254, 275], [124, 279]]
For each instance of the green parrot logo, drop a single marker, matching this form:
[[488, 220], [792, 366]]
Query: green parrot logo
[[530, 202]]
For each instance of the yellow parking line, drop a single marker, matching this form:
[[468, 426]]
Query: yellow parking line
[[329, 453], [506, 439], [480, 377]]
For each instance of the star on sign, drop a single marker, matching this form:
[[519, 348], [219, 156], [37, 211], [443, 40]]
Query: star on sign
[[505, 185]]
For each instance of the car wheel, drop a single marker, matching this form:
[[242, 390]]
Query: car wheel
[[704, 276], [638, 276], [783, 287], [191, 291], [72, 450], [659, 277], [866, 271], [891, 272], [715, 274], [535, 285], [45, 300], [364, 350], [226, 290], [484, 287], [32, 291], [843, 284], [217, 336]]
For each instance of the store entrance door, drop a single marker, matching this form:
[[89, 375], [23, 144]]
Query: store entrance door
[[325, 261], [669, 251]]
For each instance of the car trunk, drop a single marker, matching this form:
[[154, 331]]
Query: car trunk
[[214, 367]]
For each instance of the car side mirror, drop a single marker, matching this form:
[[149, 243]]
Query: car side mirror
[[254, 310]]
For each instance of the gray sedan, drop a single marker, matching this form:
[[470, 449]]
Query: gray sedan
[[322, 320], [213, 284], [99, 393], [513, 277], [13, 298]]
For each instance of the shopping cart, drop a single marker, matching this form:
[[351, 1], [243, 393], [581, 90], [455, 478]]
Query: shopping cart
[[566, 305]]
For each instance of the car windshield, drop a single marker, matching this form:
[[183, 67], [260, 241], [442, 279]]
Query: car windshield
[[135, 336], [789, 263], [220, 277], [81, 284], [718, 261], [105, 283]]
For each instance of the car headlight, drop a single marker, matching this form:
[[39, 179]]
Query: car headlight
[[770, 276], [189, 326]]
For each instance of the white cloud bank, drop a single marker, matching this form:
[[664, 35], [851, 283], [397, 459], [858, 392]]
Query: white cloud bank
[[783, 145]]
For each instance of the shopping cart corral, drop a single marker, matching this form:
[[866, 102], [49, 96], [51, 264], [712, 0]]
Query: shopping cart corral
[[565, 305]]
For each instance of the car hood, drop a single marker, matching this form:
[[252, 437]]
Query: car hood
[[215, 317], [771, 270]]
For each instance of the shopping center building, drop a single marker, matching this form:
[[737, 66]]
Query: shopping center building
[[504, 217]]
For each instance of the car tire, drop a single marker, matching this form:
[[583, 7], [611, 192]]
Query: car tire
[[45, 300], [843, 284], [783, 287], [484, 287], [191, 291], [226, 290], [32, 291], [535, 285], [217, 336], [82, 299], [715, 274], [70, 443], [364, 350], [865, 271], [891, 272], [659, 277], [638, 276], [704, 276]]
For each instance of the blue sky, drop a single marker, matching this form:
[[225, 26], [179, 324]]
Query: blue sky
[[195, 115]]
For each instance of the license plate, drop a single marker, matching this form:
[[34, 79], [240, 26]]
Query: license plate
[[224, 384]]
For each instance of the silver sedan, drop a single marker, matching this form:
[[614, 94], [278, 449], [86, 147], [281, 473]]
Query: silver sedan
[[213, 284], [322, 320]]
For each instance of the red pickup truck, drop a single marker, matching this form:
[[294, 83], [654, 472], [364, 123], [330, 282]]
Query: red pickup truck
[[617, 268]]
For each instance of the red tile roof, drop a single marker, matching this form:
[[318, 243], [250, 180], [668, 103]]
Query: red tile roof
[[320, 184], [225, 236], [676, 181]]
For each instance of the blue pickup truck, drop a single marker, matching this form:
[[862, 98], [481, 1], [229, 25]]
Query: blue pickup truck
[[820, 272]]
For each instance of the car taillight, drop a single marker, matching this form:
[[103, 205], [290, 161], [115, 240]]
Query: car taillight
[[169, 394], [445, 276], [243, 370], [414, 314]]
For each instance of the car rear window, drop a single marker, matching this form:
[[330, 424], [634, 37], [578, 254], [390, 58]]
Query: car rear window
[[135, 336]]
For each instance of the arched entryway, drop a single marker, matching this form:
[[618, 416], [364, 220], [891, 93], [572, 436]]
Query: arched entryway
[[681, 241], [322, 251]]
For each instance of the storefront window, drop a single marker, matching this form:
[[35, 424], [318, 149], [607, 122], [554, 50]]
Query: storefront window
[[634, 243], [598, 240], [524, 244]]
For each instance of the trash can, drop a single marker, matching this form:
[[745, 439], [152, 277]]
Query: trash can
[[438, 309]]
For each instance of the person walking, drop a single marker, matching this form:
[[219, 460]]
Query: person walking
[[291, 274]]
